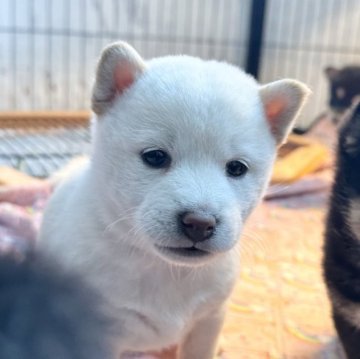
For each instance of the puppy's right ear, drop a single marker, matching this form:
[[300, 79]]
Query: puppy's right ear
[[118, 68], [331, 72]]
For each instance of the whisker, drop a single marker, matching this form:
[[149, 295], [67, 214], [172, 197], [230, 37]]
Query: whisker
[[125, 215]]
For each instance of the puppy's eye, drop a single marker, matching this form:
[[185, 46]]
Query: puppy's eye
[[156, 158], [340, 92], [236, 168]]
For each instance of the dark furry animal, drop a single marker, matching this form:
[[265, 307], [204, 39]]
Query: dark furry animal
[[46, 313], [342, 238], [344, 88]]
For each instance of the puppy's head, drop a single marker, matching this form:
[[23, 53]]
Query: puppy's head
[[184, 148], [344, 89]]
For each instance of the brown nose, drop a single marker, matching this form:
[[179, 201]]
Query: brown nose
[[197, 226]]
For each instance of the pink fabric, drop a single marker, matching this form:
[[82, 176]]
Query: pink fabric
[[311, 191], [21, 210]]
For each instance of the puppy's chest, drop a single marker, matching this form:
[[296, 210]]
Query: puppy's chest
[[166, 292], [162, 306], [173, 308]]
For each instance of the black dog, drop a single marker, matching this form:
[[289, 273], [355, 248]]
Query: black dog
[[342, 238], [46, 313]]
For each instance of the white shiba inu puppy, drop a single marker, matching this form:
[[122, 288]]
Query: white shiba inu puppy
[[182, 153]]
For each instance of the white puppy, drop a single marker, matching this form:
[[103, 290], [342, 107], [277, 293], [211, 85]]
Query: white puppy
[[182, 152]]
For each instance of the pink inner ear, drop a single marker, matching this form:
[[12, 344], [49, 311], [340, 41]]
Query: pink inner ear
[[273, 111], [124, 76]]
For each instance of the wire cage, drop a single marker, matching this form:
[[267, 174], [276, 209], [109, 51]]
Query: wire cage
[[39, 143], [49, 48]]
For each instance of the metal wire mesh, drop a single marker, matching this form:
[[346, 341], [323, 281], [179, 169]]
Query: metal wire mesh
[[41, 152], [40, 147]]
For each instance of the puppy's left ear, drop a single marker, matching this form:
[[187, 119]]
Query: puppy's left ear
[[282, 101]]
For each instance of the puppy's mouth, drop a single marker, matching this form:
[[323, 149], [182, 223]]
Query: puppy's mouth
[[191, 252]]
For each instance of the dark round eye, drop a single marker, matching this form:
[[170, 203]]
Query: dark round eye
[[340, 92], [156, 158], [236, 168]]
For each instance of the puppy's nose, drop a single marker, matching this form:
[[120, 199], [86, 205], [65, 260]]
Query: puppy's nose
[[197, 226]]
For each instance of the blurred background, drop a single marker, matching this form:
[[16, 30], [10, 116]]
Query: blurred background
[[48, 48]]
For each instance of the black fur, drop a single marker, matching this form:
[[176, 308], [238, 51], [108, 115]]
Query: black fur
[[48, 314], [349, 336], [345, 81], [348, 79], [342, 248]]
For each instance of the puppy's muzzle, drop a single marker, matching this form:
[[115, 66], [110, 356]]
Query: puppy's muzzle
[[197, 226]]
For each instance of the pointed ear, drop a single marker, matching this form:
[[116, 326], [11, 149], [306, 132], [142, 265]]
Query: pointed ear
[[282, 102], [117, 69], [331, 72]]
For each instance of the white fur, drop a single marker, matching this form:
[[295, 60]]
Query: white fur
[[108, 219]]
